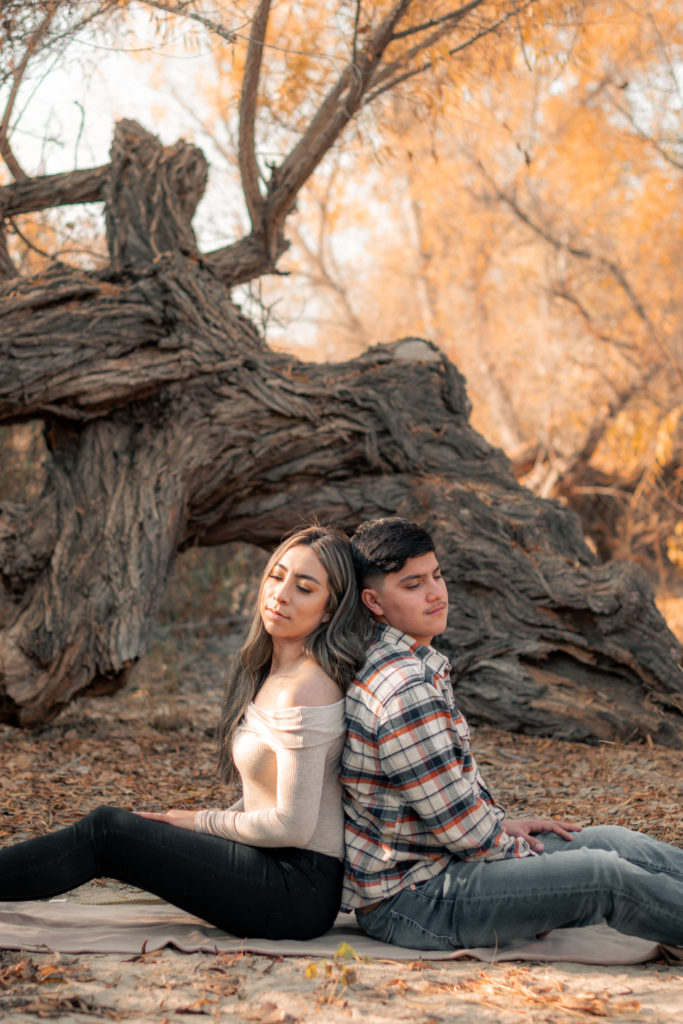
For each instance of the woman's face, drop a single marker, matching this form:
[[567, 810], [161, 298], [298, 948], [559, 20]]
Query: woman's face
[[294, 595]]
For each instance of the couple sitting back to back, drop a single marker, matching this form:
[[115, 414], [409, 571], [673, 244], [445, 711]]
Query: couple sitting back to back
[[424, 854]]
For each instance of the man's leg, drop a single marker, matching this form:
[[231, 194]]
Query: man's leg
[[638, 891], [635, 847]]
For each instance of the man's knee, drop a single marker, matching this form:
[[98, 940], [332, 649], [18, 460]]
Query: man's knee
[[605, 837]]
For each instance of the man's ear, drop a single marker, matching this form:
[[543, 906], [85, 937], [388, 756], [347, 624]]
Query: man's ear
[[371, 599]]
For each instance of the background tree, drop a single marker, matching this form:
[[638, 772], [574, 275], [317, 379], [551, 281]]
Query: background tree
[[170, 422], [538, 213]]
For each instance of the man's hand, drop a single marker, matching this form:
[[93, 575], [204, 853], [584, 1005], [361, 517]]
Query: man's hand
[[525, 828], [181, 819]]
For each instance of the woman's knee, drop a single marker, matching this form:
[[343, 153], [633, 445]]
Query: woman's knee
[[106, 820]]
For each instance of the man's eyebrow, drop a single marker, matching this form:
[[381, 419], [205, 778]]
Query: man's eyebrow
[[419, 575], [297, 575]]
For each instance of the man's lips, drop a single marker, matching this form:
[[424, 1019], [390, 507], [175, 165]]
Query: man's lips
[[439, 608]]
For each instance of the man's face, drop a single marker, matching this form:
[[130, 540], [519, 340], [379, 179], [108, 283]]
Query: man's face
[[413, 600]]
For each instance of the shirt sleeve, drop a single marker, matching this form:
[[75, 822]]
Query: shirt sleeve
[[292, 821], [424, 755]]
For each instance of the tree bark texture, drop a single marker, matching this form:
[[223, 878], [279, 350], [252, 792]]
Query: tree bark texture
[[170, 423]]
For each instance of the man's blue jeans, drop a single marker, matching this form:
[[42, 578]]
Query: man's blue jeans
[[632, 881]]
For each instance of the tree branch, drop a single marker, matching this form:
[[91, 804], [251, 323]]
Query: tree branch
[[602, 420], [655, 143], [453, 18], [7, 267], [248, 164], [5, 149], [384, 82], [431, 40], [321, 276], [581, 253], [50, 190], [245, 259], [238, 262], [258, 252], [333, 114], [356, 25], [182, 12]]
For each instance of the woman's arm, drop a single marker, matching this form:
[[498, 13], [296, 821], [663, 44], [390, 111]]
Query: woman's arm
[[301, 740], [293, 818], [181, 818]]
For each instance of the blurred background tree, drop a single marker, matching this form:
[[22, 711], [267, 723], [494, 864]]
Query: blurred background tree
[[531, 224]]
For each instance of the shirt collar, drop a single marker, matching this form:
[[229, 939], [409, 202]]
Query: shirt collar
[[432, 658]]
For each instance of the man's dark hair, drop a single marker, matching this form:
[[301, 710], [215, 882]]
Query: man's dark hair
[[381, 546]]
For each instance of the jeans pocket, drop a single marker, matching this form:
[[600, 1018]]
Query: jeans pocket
[[394, 928], [404, 931]]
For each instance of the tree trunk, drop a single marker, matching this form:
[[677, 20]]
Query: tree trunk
[[170, 423]]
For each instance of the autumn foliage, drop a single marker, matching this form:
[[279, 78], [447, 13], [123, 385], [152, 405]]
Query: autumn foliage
[[496, 177], [521, 207], [517, 202]]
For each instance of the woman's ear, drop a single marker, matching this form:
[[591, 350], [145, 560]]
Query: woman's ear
[[371, 599]]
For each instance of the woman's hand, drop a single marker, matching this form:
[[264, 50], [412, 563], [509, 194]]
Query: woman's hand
[[181, 819], [524, 828]]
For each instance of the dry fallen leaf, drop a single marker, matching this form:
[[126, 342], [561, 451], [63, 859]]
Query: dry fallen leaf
[[269, 1013]]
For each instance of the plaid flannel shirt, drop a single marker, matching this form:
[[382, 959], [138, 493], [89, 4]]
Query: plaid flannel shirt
[[413, 795]]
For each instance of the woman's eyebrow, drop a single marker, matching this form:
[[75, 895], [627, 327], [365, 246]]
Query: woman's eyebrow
[[297, 575]]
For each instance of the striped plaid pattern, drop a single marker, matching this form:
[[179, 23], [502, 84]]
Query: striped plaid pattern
[[413, 795]]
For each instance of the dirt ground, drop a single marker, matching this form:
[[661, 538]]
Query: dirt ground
[[157, 738]]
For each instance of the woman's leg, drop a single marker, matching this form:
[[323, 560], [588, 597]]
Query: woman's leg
[[242, 889], [630, 880]]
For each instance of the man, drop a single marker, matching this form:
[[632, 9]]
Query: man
[[432, 861]]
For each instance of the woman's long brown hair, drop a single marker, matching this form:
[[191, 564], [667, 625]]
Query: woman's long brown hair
[[337, 645]]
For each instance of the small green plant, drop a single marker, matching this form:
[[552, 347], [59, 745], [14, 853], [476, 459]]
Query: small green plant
[[337, 974]]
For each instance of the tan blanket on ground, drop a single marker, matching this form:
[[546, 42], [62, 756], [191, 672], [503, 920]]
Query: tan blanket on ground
[[135, 927]]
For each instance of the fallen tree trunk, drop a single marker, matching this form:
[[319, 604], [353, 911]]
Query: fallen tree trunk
[[170, 423]]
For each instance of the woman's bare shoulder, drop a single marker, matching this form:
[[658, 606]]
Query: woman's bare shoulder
[[309, 687]]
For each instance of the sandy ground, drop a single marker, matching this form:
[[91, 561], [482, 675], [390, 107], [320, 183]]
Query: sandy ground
[[159, 739], [170, 986]]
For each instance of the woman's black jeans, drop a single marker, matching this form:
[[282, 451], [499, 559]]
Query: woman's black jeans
[[249, 891]]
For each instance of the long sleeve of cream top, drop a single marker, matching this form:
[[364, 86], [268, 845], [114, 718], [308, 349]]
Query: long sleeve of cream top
[[288, 760]]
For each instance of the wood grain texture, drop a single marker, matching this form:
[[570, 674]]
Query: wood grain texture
[[170, 423]]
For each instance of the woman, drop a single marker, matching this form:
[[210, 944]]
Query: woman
[[271, 865]]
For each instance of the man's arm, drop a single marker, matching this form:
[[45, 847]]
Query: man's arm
[[423, 755], [526, 828]]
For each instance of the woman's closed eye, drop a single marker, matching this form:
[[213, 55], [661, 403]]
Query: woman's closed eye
[[279, 578]]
